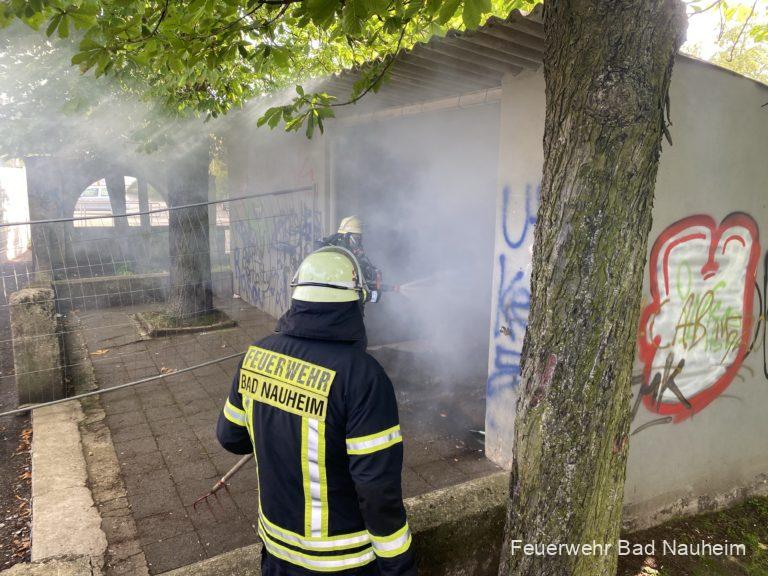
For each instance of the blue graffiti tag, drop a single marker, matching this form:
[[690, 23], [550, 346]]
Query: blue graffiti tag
[[530, 215], [269, 241], [513, 300]]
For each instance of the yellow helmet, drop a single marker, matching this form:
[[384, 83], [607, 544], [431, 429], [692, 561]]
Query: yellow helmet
[[330, 274], [351, 225]]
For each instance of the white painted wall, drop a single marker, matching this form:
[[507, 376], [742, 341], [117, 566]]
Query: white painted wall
[[521, 157], [717, 166], [271, 235]]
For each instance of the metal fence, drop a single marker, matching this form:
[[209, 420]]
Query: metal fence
[[109, 282]]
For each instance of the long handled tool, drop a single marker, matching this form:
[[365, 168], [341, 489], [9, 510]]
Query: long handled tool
[[223, 482]]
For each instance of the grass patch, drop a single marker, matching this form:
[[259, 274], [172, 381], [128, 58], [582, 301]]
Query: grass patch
[[745, 524]]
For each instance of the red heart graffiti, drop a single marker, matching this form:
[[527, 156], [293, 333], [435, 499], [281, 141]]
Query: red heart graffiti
[[695, 333]]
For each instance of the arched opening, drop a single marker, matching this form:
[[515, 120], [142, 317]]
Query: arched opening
[[94, 207]]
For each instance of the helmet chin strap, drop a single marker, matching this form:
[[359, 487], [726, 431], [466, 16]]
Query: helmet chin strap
[[324, 285], [363, 293]]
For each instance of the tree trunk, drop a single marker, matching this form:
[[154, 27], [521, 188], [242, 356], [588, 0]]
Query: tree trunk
[[607, 67], [116, 189], [190, 266], [50, 245], [142, 190]]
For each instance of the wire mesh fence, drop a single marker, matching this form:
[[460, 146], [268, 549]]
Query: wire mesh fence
[[146, 293]]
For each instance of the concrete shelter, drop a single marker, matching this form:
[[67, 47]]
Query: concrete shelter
[[444, 164]]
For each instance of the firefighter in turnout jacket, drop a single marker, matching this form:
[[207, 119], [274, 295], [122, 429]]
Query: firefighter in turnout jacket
[[350, 236], [321, 417]]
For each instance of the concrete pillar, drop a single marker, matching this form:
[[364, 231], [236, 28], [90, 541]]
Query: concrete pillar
[[521, 159], [36, 346]]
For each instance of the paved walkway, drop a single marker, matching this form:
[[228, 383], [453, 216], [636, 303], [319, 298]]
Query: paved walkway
[[164, 432]]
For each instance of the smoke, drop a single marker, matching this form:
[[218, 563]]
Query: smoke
[[425, 187], [47, 107]]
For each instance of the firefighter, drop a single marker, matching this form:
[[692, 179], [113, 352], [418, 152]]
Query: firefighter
[[321, 417], [350, 236]]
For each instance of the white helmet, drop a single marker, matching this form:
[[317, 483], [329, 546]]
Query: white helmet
[[351, 225]]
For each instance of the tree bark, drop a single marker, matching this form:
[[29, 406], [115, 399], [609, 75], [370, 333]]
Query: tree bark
[[50, 245], [607, 67], [142, 190], [190, 266], [116, 189]]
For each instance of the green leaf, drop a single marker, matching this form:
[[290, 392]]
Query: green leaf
[[80, 57], [54, 23], [473, 12], [89, 43], [322, 11], [63, 26], [448, 10], [280, 56], [377, 7], [310, 125], [353, 14]]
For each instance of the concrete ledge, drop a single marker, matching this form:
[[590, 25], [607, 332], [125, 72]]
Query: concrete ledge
[[36, 345], [64, 519], [643, 515], [107, 291], [457, 531], [79, 566], [244, 561]]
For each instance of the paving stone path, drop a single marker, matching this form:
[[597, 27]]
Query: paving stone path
[[164, 431]]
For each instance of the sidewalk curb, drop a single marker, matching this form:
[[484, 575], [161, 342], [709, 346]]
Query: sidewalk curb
[[65, 521], [64, 566]]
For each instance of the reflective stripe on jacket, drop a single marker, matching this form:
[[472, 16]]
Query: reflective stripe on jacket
[[321, 417]]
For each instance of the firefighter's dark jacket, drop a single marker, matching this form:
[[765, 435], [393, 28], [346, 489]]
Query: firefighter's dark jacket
[[322, 417]]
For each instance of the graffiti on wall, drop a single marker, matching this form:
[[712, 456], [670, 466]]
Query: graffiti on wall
[[698, 327], [514, 293], [270, 237]]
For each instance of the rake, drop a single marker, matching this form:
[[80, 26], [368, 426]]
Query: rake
[[222, 483]]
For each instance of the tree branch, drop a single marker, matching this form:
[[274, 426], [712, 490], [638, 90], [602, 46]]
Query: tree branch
[[160, 19], [379, 76], [741, 32], [715, 3]]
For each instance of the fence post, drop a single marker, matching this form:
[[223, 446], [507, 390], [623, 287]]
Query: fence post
[[36, 345]]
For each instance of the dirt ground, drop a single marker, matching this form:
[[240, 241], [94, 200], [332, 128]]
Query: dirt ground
[[15, 439], [745, 524]]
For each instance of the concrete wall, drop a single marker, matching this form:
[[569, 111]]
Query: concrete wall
[[270, 235], [702, 290]]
